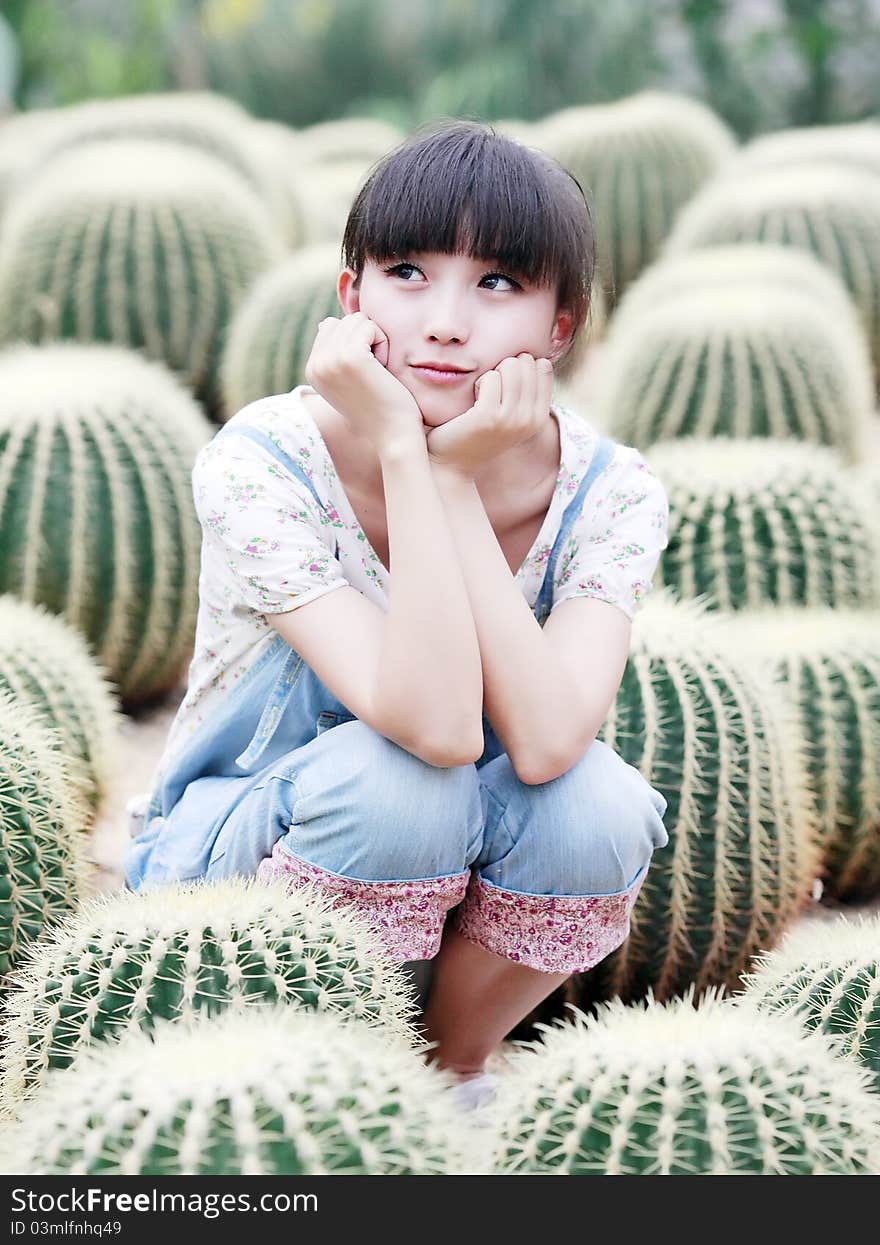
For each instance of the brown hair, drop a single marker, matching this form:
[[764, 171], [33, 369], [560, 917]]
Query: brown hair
[[464, 189]]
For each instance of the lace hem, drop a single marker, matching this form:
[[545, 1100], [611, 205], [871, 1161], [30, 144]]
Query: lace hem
[[407, 916]]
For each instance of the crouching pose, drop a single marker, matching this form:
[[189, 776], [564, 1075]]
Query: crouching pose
[[418, 579]]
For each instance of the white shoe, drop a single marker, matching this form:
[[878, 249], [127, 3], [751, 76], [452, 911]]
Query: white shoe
[[477, 1091]]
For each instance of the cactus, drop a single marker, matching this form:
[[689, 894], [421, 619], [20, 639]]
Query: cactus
[[259, 1093], [127, 960], [685, 1089], [854, 146], [746, 346], [829, 660], [271, 337], [202, 120], [274, 145], [97, 520], [19, 132], [43, 865], [323, 193], [761, 522], [828, 976], [721, 744], [348, 139], [639, 160], [823, 208], [140, 243], [46, 663]]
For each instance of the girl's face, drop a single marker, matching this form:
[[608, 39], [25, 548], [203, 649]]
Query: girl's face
[[452, 309]]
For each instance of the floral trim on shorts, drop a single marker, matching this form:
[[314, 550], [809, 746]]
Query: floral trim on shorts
[[407, 916], [553, 933]]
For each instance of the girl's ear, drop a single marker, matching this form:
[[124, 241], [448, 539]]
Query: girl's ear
[[560, 335], [349, 297]]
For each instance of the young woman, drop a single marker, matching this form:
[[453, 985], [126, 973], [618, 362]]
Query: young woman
[[417, 586]]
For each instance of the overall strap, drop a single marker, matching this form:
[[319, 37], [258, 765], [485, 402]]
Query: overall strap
[[282, 689], [602, 456]]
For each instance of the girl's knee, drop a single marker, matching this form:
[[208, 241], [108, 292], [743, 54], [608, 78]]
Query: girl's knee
[[594, 829]]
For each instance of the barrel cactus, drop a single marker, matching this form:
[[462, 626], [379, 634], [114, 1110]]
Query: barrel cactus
[[827, 974], [126, 960], [639, 160], [273, 331], [854, 146], [760, 522], [259, 1093], [685, 1089], [323, 193], [44, 869], [829, 660], [824, 208], [347, 139], [97, 520], [202, 120], [721, 744], [739, 347], [141, 243], [45, 662]]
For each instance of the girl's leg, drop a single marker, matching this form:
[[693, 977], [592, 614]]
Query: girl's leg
[[550, 894], [476, 998]]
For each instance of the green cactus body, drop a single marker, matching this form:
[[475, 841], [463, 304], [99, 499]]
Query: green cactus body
[[733, 349], [127, 960], [247, 1093], [722, 746], [827, 974], [826, 209], [144, 244], [274, 329], [639, 160], [97, 521], [43, 865], [829, 662], [761, 522], [711, 1089], [46, 663]]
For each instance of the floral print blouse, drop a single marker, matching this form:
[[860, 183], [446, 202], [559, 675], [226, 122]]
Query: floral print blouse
[[268, 547]]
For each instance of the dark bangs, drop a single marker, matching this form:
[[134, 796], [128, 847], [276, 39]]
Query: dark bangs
[[464, 189]]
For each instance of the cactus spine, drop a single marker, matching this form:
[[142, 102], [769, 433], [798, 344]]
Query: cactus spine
[[722, 745], [43, 865], [273, 331], [824, 208], [127, 960], [828, 976], [258, 1094], [763, 522], [97, 520], [640, 159], [711, 1089], [143, 244], [829, 662], [738, 346], [47, 664]]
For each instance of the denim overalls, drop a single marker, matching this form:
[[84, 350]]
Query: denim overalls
[[284, 781]]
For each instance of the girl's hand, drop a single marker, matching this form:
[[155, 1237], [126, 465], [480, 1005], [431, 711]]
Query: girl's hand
[[512, 402]]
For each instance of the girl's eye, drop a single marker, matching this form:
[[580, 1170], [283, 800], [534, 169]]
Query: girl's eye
[[395, 270]]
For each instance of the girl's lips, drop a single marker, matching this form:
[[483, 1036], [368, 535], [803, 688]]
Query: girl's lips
[[439, 377]]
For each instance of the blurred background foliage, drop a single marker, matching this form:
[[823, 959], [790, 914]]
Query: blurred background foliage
[[761, 64]]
